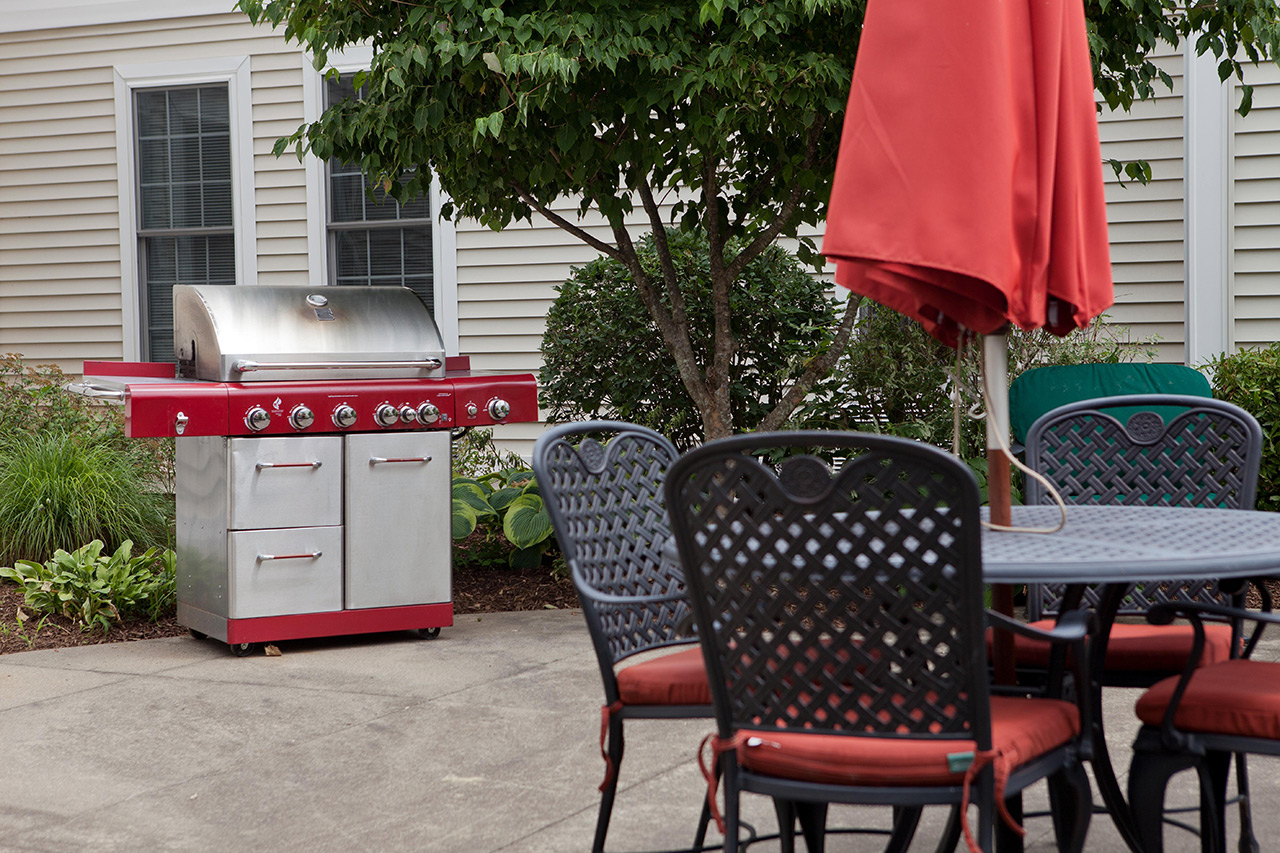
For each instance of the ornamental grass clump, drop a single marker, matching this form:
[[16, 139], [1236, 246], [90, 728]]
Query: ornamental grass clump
[[58, 490]]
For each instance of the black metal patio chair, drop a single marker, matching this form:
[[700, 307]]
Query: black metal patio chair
[[841, 616], [601, 482]]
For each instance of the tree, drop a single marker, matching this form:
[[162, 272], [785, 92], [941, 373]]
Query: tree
[[732, 114]]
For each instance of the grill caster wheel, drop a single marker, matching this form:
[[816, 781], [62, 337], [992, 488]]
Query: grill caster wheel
[[426, 633], [197, 635], [242, 650]]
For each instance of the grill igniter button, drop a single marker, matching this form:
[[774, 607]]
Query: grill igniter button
[[344, 416], [428, 414], [408, 414], [257, 419], [301, 417], [472, 411], [499, 408], [387, 415]]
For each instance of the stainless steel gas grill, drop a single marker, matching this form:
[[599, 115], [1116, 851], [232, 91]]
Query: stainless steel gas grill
[[313, 457]]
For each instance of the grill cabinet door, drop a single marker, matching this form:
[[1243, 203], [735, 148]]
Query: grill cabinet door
[[398, 526]]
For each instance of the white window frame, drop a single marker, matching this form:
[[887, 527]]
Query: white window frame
[[231, 70], [444, 237]]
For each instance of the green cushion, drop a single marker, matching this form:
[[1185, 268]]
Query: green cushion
[[1041, 389]]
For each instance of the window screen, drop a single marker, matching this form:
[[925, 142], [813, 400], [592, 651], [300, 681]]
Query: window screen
[[184, 201], [375, 239]]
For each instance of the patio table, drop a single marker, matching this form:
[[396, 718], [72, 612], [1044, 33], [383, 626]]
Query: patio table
[[1115, 546]]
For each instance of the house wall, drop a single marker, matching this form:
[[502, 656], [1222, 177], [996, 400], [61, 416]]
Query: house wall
[[62, 261]]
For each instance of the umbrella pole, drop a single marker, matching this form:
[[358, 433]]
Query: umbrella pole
[[995, 367]]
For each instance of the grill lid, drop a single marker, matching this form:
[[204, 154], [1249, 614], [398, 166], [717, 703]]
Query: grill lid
[[263, 332]]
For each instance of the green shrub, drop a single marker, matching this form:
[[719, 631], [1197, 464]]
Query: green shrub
[[96, 590], [604, 357], [896, 379], [57, 489], [1251, 379], [506, 501]]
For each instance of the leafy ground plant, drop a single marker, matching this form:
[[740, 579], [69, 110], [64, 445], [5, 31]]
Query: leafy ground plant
[[509, 501], [58, 488], [98, 590]]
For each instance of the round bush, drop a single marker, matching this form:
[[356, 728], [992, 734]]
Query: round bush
[[59, 490], [604, 357]]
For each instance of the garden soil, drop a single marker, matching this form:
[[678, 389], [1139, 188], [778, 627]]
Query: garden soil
[[475, 590]]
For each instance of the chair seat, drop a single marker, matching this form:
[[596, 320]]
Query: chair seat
[[1138, 647], [1235, 697], [679, 678], [1021, 728]]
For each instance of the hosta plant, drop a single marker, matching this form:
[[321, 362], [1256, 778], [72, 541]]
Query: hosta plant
[[97, 590], [507, 499]]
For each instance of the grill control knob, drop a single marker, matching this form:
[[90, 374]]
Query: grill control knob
[[472, 411], [428, 414], [499, 408], [344, 416], [387, 415], [301, 417], [408, 414], [257, 419]]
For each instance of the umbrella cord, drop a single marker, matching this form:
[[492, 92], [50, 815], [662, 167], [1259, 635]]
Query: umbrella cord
[[1003, 441]]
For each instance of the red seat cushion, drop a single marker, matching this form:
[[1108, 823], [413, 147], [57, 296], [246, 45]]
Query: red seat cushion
[[1022, 729], [1137, 647], [679, 678], [1236, 697]]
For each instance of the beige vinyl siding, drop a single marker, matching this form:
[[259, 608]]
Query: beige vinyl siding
[[60, 267], [1145, 223], [1255, 185]]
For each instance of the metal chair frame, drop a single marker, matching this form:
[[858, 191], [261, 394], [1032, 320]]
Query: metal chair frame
[[1161, 751], [606, 506], [850, 604], [1206, 455]]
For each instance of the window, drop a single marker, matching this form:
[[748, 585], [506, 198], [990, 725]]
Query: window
[[184, 201], [375, 240]]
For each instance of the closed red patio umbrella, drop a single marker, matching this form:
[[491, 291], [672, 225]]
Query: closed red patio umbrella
[[968, 192]]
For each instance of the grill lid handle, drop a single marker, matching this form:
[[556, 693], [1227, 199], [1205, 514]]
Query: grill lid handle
[[245, 365]]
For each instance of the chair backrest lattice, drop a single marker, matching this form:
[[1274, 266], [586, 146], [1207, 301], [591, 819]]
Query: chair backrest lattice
[[839, 600], [601, 482], [1205, 454]]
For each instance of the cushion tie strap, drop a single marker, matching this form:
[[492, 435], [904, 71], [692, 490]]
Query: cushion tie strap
[[981, 759], [719, 746], [606, 713]]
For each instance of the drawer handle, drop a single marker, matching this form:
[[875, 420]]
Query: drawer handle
[[378, 460], [262, 465], [262, 558]]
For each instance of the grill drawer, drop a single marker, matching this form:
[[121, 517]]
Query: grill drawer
[[275, 482], [292, 582]]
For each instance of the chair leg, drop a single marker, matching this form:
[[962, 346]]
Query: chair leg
[[905, 821], [1213, 771], [704, 819], [614, 748], [1008, 841], [1071, 804], [813, 824], [1248, 841], [1149, 774], [951, 832], [786, 812], [731, 795]]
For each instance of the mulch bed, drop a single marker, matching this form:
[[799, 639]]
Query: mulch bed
[[474, 591]]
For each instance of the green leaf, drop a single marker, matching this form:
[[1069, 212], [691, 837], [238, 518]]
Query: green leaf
[[526, 522], [471, 494], [464, 519]]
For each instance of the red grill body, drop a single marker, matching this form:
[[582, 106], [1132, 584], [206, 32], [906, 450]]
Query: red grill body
[[316, 506]]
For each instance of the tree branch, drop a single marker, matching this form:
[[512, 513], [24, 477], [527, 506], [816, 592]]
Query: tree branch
[[558, 220], [767, 236], [815, 370]]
